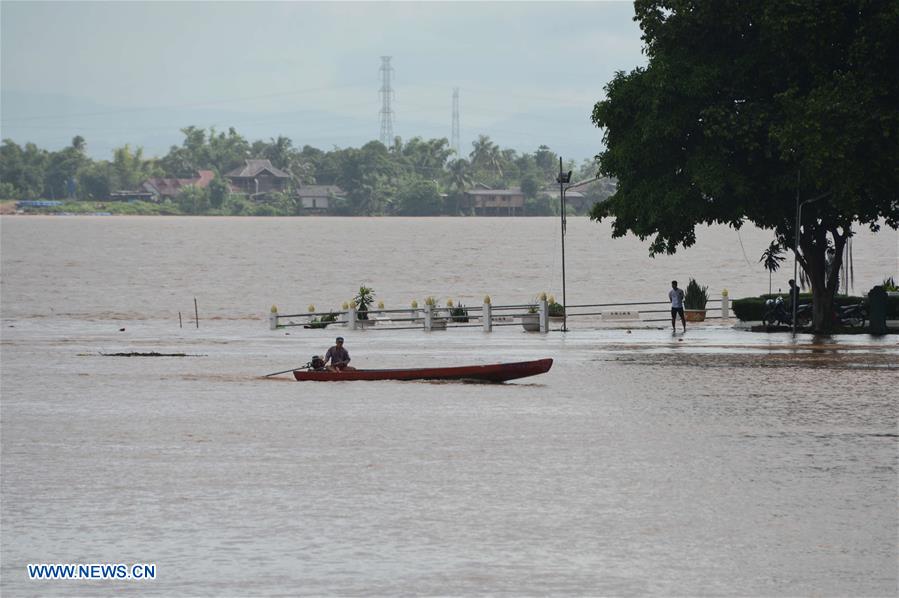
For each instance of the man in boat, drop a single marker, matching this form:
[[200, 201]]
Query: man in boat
[[338, 357]]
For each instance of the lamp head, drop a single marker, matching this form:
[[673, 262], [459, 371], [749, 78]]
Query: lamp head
[[564, 177]]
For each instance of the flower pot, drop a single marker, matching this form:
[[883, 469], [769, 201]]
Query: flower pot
[[531, 322], [694, 315]]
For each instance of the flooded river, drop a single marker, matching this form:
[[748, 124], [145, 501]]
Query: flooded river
[[717, 462]]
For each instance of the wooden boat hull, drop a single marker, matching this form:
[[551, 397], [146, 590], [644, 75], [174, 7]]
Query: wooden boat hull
[[496, 372]]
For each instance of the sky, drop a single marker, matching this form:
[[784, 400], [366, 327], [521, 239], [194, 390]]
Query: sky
[[528, 73]]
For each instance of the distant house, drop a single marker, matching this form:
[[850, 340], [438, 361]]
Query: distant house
[[495, 202], [574, 199], [258, 177], [161, 189], [316, 199]]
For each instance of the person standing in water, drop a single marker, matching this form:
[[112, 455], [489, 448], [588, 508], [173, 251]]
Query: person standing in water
[[676, 296]]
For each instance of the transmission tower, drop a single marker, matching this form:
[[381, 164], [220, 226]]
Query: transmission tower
[[455, 137], [386, 97]]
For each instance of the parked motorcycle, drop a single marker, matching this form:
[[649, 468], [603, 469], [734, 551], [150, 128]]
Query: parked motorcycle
[[852, 316], [776, 313]]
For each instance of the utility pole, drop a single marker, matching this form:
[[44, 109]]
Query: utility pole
[[455, 144], [386, 97], [563, 179]]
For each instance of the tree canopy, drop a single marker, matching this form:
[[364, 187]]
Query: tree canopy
[[744, 104], [412, 177]]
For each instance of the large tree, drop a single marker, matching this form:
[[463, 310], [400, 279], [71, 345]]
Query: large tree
[[744, 105]]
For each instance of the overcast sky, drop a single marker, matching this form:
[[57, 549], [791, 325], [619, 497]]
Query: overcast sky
[[135, 72]]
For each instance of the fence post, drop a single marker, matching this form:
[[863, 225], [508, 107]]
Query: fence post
[[272, 318], [487, 318], [351, 318], [543, 315], [725, 304], [429, 317]]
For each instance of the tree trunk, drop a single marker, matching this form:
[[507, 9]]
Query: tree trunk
[[813, 262]]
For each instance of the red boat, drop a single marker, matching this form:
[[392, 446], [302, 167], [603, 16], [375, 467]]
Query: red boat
[[495, 372]]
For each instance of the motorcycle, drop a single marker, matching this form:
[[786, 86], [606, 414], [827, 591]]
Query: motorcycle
[[851, 316], [776, 313]]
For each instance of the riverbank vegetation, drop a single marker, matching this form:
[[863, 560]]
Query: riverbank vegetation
[[416, 177]]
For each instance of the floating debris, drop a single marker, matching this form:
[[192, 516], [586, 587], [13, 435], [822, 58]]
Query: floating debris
[[150, 354]]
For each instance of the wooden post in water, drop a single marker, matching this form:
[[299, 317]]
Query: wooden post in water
[[179, 320], [196, 313]]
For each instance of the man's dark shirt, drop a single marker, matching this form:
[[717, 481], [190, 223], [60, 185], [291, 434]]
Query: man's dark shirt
[[337, 354], [794, 296]]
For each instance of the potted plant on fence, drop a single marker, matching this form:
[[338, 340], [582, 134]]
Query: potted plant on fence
[[530, 321], [556, 310], [458, 313], [363, 300], [694, 302]]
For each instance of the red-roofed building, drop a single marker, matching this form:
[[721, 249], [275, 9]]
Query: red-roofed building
[[162, 189]]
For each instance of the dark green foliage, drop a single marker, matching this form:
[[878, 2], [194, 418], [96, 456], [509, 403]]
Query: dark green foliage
[[459, 313], [893, 308], [364, 299], [750, 309], [193, 200], [23, 168], [413, 178], [218, 191], [418, 197], [555, 310], [323, 321], [742, 100], [696, 296]]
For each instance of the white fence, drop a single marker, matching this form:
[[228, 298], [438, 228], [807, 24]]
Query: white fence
[[533, 317]]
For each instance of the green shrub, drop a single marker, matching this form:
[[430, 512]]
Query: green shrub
[[749, 309], [696, 296], [752, 309], [459, 313], [892, 308], [555, 310]]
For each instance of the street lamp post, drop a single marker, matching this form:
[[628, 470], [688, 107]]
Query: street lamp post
[[563, 179]]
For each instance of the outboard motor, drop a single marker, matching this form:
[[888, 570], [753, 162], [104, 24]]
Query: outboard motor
[[317, 363]]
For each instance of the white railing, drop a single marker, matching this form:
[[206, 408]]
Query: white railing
[[534, 317]]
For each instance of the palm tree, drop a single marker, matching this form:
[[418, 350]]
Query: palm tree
[[79, 144], [278, 151], [460, 177], [771, 259], [485, 153]]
